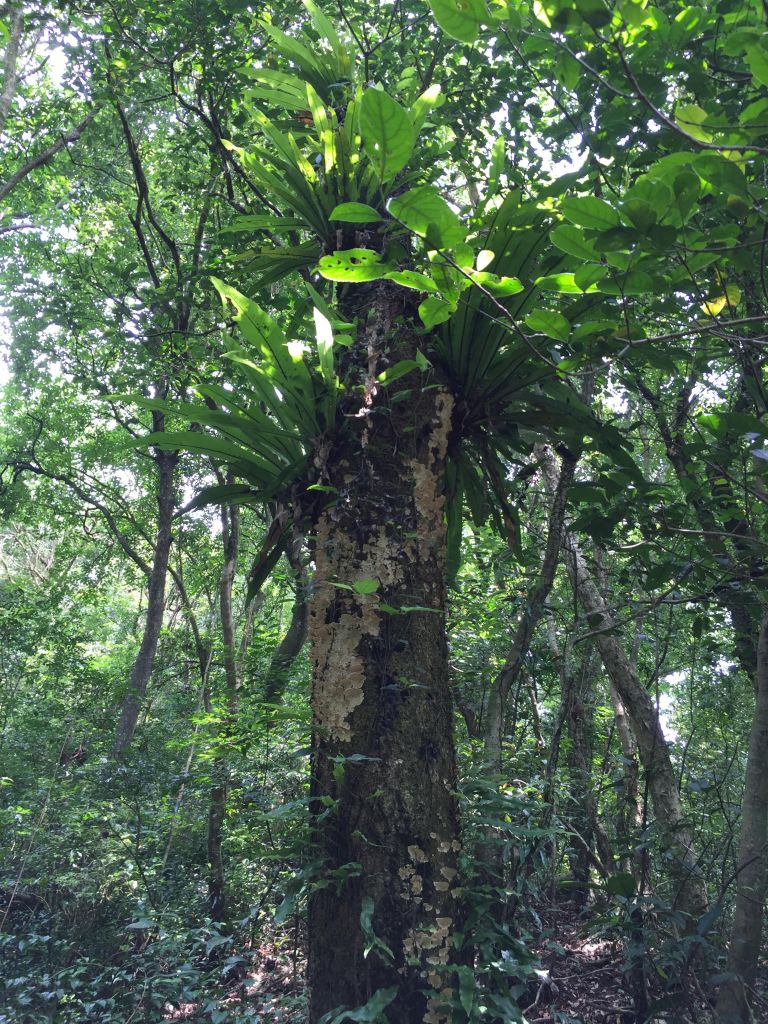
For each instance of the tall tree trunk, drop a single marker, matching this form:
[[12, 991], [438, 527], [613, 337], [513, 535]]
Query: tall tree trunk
[[145, 660], [383, 767], [690, 890], [746, 936], [217, 808]]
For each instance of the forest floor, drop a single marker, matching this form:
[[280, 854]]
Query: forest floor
[[584, 981], [580, 980]]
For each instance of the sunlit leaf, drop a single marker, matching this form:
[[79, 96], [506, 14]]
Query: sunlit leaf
[[388, 135], [460, 19]]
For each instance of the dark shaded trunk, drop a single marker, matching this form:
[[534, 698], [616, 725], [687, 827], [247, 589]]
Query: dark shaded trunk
[[383, 785], [145, 660], [746, 936]]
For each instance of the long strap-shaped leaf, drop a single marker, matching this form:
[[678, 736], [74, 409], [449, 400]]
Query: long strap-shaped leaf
[[290, 373]]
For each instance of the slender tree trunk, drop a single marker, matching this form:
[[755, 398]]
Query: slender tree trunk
[[630, 813], [145, 660], [290, 646], [217, 808], [10, 61], [746, 936], [532, 612], [383, 768], [690, 889], [580, 723]]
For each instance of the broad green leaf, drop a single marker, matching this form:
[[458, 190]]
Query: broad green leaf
[[412, 279], [365, 586], [567, 70], [460, 19], [594, 12], [636, 282], [387, 133], [434, 311], [325, 124], [589, 212], [255, 468], [499, 286], [284, 363], [353, 265], [355, 213], [687, 188], [560, 283], [721, 174], [326, 30], [589, 275], [467, 989], [690, 117], [324, 339], [642, 214], [554, 325], [571, 240], [422, 209]]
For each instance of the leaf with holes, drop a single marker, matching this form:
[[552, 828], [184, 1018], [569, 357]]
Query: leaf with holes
[[353, 265]]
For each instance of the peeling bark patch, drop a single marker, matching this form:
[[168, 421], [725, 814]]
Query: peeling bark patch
[[340, 621]]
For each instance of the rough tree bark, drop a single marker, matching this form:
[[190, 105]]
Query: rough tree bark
[[690, 889], [752, 879], [145, 660], [383, 771]]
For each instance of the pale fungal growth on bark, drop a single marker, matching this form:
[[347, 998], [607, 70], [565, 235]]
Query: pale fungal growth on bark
[[427, 484], [417, 855], [339, 665]]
